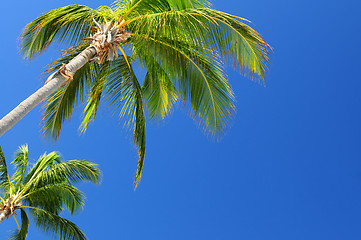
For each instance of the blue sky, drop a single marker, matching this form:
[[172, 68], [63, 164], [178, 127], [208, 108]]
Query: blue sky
[[288, 167]]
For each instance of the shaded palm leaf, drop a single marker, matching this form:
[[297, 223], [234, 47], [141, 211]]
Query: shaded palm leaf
[[60, 104], [94, 96], [124, 92], [23, 232], [52, 197], [4, 176], [56, 225]]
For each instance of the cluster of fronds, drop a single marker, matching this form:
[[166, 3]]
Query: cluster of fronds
[[181, 44], [45, 191]]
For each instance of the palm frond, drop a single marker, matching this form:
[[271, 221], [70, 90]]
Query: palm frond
[[124, 91], [45, 162], [142, 7], [21, 163], [53, 196], [4, 175], [56, 225], [189, 4], [159, 91], [23, 232], [72, 171], [94, 95], [239, 42], [208, 28], [38, 197], [198, 76], [60, 105], [70, 24]]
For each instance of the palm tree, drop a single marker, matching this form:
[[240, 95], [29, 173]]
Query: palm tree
[[180, 45], [44, 191]]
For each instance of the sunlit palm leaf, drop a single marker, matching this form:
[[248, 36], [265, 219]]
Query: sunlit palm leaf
[[21, 163], [221, 32], [140, 7], [159, 91], [45, 162], [200, 79], [71, 171], [70, 24]]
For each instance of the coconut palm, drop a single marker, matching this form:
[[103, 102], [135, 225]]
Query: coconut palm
[[180, 44], [44, 192]]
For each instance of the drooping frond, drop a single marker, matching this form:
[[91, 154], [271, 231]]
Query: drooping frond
[[60, 105], [56, 225], [23, 232], [21, 163], [70, 24], [124, 92], [159, 91], [94, 96], [198, 76], [239, 42], [4, 175]]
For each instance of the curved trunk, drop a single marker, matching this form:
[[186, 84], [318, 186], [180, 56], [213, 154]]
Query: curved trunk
[[40, 95]]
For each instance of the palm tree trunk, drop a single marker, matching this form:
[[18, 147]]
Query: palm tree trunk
[[4, 214], [40, 95]]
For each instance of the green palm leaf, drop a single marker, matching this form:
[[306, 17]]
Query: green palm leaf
[[21, 163], [56, 225], [60, 104], [209, 28], [73, 171], [45, 190], [52, 197], [4, 176], [70, 24], [181, 45], [45, 162], [200, 80], [124, 92], [20, 234], [159, 91]]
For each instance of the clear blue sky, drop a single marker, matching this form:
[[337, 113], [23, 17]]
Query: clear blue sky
[[288, 167]]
